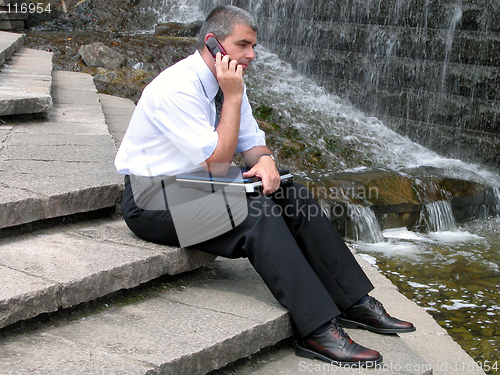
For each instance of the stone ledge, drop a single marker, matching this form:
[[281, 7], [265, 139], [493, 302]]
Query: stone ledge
[[227, 313], [9, 43], [5, 15], [26, 83], [118, 112], [60, 165], [61, 268], [212, 322], [12, 25]]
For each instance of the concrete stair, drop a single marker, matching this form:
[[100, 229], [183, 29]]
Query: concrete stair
[[9, 43], [12, 16], [26, 79], [62, 247]]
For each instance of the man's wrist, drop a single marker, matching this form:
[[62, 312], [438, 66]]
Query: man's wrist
[[270, 155]]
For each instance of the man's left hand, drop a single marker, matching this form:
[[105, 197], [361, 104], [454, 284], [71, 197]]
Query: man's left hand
[[268, 173]]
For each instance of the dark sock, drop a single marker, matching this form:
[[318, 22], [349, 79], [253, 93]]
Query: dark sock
[[362, 300], [322, 329]]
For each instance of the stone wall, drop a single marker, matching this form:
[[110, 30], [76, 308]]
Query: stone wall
[[430, 69], [12, 16]]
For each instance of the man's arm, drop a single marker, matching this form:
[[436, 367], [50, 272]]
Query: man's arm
[[230, 77], [262, 166]]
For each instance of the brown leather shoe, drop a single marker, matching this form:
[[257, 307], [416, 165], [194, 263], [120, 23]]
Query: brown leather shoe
[[336, 347], [371, 315]]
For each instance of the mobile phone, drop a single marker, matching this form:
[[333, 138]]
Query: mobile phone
[[214, 46]]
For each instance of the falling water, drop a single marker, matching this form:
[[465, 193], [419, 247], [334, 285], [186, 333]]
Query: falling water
[[496, 194], [365, 226], [455, 20], [185, 11], [440, 216]]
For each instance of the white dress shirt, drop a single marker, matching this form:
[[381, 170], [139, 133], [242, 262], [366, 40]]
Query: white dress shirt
[[172, 128]]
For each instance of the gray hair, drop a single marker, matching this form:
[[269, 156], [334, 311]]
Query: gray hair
[[221, 22]]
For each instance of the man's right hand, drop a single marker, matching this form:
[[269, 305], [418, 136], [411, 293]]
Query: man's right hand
[[229, 76]]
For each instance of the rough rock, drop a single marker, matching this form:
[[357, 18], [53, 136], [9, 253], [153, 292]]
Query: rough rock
[[100, 55]]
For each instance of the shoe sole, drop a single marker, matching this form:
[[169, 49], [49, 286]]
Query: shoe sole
[[310, 354], [352, 324]]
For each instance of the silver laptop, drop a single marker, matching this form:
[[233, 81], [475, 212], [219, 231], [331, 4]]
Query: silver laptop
[[233, 180]]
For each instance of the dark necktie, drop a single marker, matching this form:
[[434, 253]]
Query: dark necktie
[[219, 99]]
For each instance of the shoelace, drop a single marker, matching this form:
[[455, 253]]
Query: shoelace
[[375, 303], [337, 327]]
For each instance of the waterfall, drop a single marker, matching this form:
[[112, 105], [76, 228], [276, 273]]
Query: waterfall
[[427, 68], [364, 224], [319, 115], [440, 216]]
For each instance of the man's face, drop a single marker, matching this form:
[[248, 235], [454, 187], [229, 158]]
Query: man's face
[[240, 44]]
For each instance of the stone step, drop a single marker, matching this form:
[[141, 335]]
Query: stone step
[[6, 15], [25, 83], [9, 43], [62, 164], [13, 14], [398, 359], [12, 25], [222, 314], [57, 268], [117, 112]]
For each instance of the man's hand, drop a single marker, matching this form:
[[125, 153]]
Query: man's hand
[[229, 76], [268, 173]]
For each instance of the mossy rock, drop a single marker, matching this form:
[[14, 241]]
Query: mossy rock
[[462, 188]]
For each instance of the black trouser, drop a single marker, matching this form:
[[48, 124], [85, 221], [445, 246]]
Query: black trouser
[[290, 243]]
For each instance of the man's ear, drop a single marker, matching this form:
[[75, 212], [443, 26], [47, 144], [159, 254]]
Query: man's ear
[[208, 36]]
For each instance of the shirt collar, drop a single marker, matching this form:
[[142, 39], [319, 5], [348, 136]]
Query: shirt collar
[[209, 82]]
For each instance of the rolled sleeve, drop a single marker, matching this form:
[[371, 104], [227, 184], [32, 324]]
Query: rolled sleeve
[[250, 134]]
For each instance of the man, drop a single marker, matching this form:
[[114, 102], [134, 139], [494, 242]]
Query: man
[[285, 235]]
